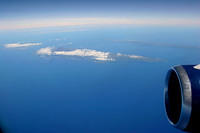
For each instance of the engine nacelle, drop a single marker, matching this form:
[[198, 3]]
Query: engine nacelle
[[182, 97]]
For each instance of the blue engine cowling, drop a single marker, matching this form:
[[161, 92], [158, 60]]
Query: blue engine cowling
[[182, 97]]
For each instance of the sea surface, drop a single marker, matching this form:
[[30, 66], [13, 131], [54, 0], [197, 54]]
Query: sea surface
[[78, 93]]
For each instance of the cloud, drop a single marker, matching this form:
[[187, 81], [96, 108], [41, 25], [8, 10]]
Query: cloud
[[131, 56], [90, 53], [97, 55], [45, 51], [18, 45], [197, 67], [137, 57]]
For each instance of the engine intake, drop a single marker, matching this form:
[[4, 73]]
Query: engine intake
[[182, 97]]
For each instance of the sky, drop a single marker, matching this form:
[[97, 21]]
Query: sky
[[42, 11]]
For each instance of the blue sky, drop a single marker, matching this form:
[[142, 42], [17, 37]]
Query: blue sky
[[27, 8], [181, 10]]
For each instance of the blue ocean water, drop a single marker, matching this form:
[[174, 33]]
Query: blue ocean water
[[70, 94]]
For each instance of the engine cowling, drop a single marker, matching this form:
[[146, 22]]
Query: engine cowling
[[182, 97]]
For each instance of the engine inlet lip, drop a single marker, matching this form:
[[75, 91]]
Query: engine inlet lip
[[186, 97]]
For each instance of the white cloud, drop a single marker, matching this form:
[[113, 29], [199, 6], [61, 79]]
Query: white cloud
[[17, 45], [94, 54], [197, 67], [45, 51], [97, 55], [137, 57]]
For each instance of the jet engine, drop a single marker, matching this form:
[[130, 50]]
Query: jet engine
[[182, 97]]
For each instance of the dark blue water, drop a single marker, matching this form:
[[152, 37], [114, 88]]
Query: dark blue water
[[70, 94]]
